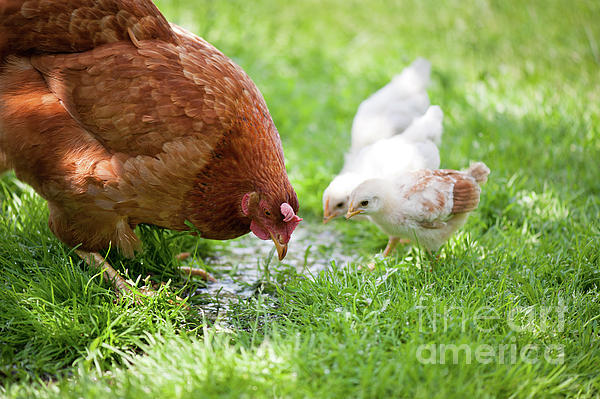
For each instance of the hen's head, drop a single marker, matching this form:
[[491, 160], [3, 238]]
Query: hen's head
[[271, 218]]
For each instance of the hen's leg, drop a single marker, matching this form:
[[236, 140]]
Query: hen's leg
[[194, 271], [4, 165], [97, 261]]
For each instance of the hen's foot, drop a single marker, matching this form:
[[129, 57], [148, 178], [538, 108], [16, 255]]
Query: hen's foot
[[194, 271], [183, 256], [97, 261]]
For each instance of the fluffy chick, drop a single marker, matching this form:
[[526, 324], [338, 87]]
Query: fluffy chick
[[391, 109], [426, 206], [413, 149]]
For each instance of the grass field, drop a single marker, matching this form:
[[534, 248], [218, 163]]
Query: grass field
[[515, 296]]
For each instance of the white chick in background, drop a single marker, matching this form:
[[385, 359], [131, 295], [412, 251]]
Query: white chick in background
[[391, 109], [413, 149], [426, 206]]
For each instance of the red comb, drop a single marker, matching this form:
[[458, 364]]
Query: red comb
[[288, 213]]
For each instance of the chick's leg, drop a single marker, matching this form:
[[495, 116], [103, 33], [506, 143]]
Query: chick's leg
[[97, 261], [392, 242]]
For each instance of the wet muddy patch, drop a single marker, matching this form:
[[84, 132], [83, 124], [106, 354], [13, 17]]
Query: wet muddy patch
[[243, 266]]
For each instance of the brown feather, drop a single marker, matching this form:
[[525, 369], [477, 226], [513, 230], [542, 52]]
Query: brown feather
[[465, 194], [77, 25]]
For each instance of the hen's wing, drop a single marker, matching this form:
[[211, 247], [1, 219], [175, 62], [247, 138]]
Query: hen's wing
[[133, 100], [159, 108], [137, 99], [42, 26]]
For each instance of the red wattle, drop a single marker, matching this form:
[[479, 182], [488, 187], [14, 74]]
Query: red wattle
[[259, 231]]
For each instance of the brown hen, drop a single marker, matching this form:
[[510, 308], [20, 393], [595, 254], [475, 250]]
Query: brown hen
[[118, 118]]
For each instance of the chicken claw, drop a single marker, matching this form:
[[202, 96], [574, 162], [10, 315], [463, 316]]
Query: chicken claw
[[97, 261], [194, 271], [183, 256]]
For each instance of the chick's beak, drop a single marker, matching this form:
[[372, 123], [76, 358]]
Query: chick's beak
[[281, 248], [326, 216], [352, 212]]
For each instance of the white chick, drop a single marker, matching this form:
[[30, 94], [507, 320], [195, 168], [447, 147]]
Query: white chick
[[426, 206], [413, 149], [391, 109]]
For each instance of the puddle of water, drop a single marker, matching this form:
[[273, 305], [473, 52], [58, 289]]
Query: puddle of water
[[240, 263]]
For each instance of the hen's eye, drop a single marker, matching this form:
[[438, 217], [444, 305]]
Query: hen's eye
[[364, 203], [267, 213], [340, 205]]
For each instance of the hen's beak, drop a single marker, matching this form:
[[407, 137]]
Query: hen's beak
[[352, 212], [281, 248]]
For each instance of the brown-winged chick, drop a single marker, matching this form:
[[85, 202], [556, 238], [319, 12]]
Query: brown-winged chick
[[425, 206]]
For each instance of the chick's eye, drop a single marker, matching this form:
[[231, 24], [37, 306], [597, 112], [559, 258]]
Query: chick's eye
[[340, 205], [364, 203]]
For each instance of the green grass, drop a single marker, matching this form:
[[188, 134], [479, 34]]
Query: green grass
[[520, 86]]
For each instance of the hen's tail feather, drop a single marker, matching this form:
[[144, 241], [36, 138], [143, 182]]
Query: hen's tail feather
[[42, 26], [479, 171]]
